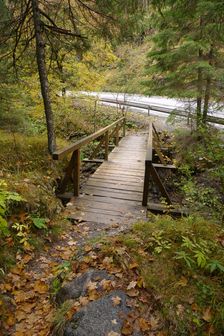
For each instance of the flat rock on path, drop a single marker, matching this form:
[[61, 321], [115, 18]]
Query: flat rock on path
[[78, 286], [100, 317]]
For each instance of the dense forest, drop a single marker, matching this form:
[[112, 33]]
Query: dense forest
[[158, 275]]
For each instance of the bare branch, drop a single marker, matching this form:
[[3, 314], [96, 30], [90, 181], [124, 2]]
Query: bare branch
[[63, 31]]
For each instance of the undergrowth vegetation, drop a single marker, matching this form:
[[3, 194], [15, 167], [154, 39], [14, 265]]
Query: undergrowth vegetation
[[182, 263], [199, 157]]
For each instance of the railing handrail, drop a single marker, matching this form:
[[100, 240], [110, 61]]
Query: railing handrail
[[82, 142]]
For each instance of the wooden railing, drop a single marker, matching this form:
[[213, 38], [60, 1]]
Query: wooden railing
[[72, 172], [154, 143]]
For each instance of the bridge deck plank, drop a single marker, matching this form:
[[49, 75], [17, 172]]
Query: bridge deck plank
[[113, 194]]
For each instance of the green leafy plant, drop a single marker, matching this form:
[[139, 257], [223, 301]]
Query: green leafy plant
[[22, 232], [158, 242], [215, 265], [39, 223], [6, 197], [196, 254]]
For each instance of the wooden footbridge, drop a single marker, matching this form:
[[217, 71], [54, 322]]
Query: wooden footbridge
[[117, 192]]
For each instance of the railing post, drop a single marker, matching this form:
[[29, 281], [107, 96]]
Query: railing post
[[76, 171], [146, 183], [117, 135], [148, 110], [124, 127], [106, 145]]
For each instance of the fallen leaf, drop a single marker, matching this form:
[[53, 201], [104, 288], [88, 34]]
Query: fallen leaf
[[20, 315], [11, 321], [113, 333], [27, 258], [119, 275], [127, 328], [107, 260], [180, 309], [114, 321], [194, 307], [207, 315], [40, 287], [143, 299], [144, 325], [88, 248], [7, 287], [116, 300], [27, 307], [133, 265], [93, 295], [154, 322], [17, 270], [83, 300], [115, 225], [72, 243], [182, 282], [75, 266], [91, 285], [106, 284], [131, 285], [21, 296], [133, 292]]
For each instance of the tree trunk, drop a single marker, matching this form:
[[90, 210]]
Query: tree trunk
[[206, 100], [40, 56], [199, 83], [199, 99], [207, 91]]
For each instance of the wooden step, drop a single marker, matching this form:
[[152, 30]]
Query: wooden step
[[174, 210], [158, 165]]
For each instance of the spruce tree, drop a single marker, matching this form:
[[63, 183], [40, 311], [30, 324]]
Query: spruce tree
[[186, 59]]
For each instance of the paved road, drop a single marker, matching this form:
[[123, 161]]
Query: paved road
[[168, 103]]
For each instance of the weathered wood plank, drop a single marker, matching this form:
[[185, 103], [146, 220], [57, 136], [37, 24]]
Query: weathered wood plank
[[121, 181], [114, 186], [117, 176], [91, 203], [102, 218], [114, 192], [122, 170], [108, 199]]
